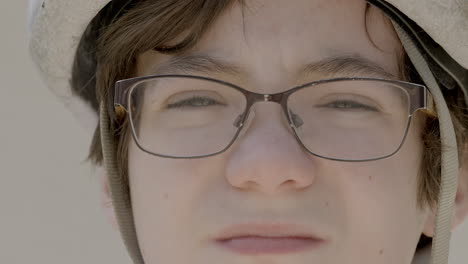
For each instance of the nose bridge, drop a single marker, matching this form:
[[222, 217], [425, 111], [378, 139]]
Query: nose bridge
[[266, 113], [276, 97], [267, 156], [256, 99]]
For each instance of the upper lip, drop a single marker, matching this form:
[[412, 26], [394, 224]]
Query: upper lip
[[279, 230]]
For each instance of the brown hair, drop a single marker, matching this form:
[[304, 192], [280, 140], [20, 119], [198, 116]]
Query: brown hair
[[111, 43]]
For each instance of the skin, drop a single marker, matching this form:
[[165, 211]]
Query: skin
[[365, 211]]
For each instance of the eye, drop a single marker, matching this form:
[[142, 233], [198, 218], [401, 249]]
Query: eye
[[194, 102], [349, 105]]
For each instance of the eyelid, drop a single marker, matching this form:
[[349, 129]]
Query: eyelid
[[350, 97], [193, 93], [358, 104], [186, 102]]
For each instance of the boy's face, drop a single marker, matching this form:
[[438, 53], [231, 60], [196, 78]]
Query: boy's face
[[365, 212]]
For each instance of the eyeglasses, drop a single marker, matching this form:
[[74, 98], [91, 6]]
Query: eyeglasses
[[343, 119]]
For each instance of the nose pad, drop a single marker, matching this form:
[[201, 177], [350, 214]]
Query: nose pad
[[243, 125], [296, 120], [238, 122]]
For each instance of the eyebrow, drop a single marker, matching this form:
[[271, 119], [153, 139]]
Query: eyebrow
[[345, 65], [198, 62], [335, 66]]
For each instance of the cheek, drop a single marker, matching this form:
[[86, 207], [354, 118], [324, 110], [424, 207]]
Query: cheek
[[166, 194], [161, 183], [383, 209]]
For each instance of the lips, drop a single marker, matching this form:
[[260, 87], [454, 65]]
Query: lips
[[267, 238]]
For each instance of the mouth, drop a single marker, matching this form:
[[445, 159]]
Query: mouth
[[258, 239]]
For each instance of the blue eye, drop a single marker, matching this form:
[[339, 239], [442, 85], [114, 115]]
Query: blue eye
[[194, 102]]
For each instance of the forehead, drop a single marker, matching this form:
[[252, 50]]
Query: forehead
[[264, 37]]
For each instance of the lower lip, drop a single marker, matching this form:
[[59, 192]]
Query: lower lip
[[255, 245]]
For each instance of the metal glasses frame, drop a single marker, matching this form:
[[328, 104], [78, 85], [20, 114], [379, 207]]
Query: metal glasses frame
[[420, 99]]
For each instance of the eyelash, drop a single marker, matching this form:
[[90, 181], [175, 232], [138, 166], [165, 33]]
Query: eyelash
[[198, 101], [189, 102], [353, 103]]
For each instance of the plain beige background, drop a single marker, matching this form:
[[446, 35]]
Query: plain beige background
[[49, 199]]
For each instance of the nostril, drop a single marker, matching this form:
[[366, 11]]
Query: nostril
[[290, 182]]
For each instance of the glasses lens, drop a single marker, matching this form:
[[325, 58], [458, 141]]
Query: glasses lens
[[184, 117], [350, 119]]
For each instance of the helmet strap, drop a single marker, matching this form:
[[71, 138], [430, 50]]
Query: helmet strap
[[449, 166], [119, 190]]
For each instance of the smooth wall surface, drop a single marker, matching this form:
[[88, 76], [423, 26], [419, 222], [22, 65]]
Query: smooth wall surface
[[50, 209]]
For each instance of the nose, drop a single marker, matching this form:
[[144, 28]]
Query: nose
[[266, 157]]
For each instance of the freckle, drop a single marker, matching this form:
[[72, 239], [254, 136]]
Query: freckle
[[166, 196], [370, 178], [381, 252], [326, 204]]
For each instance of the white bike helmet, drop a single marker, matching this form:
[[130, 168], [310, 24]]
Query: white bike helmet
[[434, 35]]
